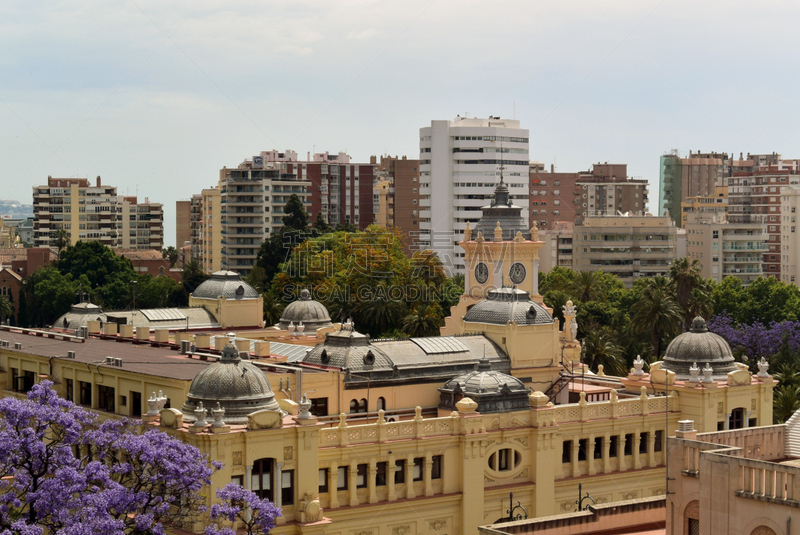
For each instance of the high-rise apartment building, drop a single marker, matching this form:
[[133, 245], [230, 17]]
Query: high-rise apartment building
[[725, 248], [628, 246], [383, 195], [695, 176], [405, 198], [790, 237], [557, 248], [94, 213], [209, 240], [605, 189], [461, 162], [183, 223]]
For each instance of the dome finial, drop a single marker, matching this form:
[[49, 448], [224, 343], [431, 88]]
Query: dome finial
[[699, 325]]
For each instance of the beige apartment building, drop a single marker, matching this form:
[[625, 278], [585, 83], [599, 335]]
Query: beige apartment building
[[790, 243], [94, 213], [183, 222], [724, 248], [209, 240], [557, 248], [382, 203], [405, 198], [628, 246]]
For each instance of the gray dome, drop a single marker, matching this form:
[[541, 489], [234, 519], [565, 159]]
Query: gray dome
[[493, 391], [79, 315], [503, 211], [506, 305], [239, 386], [700, 346], [348, 349], [312, 314], [225, 284]]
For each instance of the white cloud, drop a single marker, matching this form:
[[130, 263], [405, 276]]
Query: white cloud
[[363, 34]]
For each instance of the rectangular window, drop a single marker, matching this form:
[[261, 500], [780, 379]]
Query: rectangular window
[[70, 389], [361, 476], [582, 449], [566, 451], [341, 478], [136, 404], [380, 474], [612, 446], [643, 439], [629, 444], [319, 406], [287, 487], [323, 480], [85, 393], [105, 396], [238, 480], [436, 469], [418, 468], [400, 471], [658, 446], [598, 447]]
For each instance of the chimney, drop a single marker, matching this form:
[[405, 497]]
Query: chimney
[[552, 168], [98, 181]]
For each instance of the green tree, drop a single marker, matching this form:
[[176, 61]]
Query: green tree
[[786, 402], [422, 321], [52, 294], [273, 309], [657, 313], [556, 299], [346, 227], [62, 240], [22, 318], [321, 225], [727, 297], [6, 308], [380, 313], [588, 286], [157, 292], [685, 275], [256, 278], [559, 278], [599, 349], [192, 276], [296, 216], [97, 262], [171, 253]]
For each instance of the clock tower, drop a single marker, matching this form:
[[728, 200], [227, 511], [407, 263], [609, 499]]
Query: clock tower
[[501, 251]]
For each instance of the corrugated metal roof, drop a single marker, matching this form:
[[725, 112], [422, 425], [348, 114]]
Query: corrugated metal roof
[[163, 314], [438, 345]]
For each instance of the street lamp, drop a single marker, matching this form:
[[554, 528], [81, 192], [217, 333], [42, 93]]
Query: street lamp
[[134, 295]]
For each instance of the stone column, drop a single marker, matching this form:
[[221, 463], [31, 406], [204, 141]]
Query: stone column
[[426, 474], [623, 465], [390, 469], [372, 472], [747, 419], [651, 449], [576, 444], [410, 477], [590, 456], [606, 452], [333, 487], [278, 484], [637, 439], [352, 485], [248, 477]]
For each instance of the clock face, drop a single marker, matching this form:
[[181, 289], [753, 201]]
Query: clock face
[[481, 273], [517, 273]]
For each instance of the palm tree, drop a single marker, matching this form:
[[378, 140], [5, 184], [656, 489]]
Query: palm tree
[[62, 240], [785, 403], [273, 309], [423, 321], [657, 313], [686, 276], [380, 314], [587, 286], [556, 299], [6, 308], [699, 304], [600, 349]]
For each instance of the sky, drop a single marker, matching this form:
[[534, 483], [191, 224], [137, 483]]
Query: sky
[[157, 96]]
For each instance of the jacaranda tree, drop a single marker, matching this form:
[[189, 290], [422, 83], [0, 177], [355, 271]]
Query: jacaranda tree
[[63, 473], [238, 504]]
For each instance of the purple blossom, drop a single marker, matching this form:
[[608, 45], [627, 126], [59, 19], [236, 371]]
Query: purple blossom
[[237, 502], [757, 339], [128, 483]]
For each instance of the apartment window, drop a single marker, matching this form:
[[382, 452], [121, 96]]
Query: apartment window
[[341, 478], [629, 444], [323, 480], [361, 476], [287, 487], [85, 393], [418, 468], [105, 396], [436, 467], [400, 471], [658, 446], [566, 451]]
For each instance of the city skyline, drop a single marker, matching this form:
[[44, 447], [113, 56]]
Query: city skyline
[[156, 98]]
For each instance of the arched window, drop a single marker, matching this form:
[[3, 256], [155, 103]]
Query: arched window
[[381, 404], [261, 481], [362, 405], [353, 406]]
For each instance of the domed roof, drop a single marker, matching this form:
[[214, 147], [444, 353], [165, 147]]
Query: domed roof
[[700, 346], [225, 284], [79, 315], [501, 211], [239, 386], [312, 314], [348, 349], [505, 305], [494, 391]]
